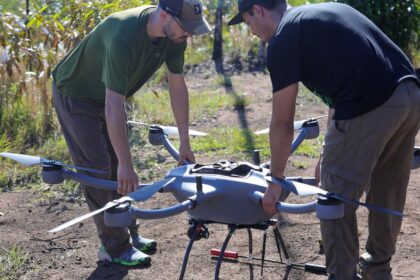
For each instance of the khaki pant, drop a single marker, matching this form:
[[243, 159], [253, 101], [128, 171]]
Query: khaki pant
[[84, 128], [371, 153]]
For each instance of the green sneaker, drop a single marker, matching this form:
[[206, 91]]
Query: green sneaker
[[143, 244], [132, 257]]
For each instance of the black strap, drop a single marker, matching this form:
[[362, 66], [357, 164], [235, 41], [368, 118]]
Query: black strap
[[226, 168]]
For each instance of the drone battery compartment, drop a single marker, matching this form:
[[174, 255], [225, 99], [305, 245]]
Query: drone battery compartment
[[226, 168]]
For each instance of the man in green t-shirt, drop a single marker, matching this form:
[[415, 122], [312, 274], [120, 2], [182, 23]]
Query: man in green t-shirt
[[90, 86]]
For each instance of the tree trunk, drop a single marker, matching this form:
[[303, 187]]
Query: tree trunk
[[218, 38]]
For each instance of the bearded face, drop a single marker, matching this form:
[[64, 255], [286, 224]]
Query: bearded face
[[174, 31]]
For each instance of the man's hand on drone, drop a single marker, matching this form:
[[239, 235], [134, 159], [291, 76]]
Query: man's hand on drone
[[271, 196], [127, 178], [185, 153]]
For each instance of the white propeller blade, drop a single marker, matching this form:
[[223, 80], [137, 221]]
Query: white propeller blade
[[139, 123], [91, 214], [34, 160], [297, 125], [24, 159], [263, 131], [170, 130], [139, 195], [146, 192], [296, 187]]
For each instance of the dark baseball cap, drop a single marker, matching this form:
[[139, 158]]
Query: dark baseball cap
[[243, 5], [189, 13]]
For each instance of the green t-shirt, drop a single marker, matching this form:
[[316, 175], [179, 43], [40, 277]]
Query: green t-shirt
[[119, 55]]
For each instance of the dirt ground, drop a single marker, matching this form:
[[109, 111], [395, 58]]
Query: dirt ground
[[71, 254]]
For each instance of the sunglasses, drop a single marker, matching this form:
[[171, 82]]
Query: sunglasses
[[185, 35]]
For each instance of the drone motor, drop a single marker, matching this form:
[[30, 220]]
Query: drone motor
[[329, 208], [52, 174], [118, 216]]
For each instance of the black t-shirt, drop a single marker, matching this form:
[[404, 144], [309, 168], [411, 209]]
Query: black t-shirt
[[338, 54]]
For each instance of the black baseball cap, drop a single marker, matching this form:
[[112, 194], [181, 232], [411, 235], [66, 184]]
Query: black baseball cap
[[243, 5], [189, 13]]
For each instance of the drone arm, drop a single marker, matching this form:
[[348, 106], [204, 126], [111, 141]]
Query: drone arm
[[171, 149], [92, 181], [158, 137], [190, 203], [287, 207], [163, 213], [298, 140]]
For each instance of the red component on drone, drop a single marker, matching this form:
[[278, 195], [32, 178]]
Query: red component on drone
[[226, 254]]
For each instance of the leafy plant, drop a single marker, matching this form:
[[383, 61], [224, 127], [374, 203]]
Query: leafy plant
[[399, 19]]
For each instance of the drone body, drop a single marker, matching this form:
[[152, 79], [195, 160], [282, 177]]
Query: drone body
[[226, 198]]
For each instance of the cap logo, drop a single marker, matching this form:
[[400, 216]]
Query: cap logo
[[171, 11], [197, 9]]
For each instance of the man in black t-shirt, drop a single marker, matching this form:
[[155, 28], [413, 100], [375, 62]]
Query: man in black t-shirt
[[373, 94]]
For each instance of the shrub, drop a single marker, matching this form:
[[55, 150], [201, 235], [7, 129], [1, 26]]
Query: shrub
[[398, 19]]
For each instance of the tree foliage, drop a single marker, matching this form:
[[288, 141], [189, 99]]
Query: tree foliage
[[30, 46], [399, 19]]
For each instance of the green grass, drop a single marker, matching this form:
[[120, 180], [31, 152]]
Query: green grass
[[311, 148], [11, 261], [232, 142], [224, 81], [153, 106], [300, 164]]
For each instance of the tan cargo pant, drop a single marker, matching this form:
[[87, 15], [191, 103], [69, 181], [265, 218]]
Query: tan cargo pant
[[371, 153], [84, 128]]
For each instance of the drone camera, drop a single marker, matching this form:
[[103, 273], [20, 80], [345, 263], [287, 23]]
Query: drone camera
[[201, 231], [52, 174], [329, 208], [119, 216]]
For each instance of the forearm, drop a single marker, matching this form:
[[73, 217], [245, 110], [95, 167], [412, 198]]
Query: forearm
[[180, 109], [180, 105], [117, 131], [281, 136]]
